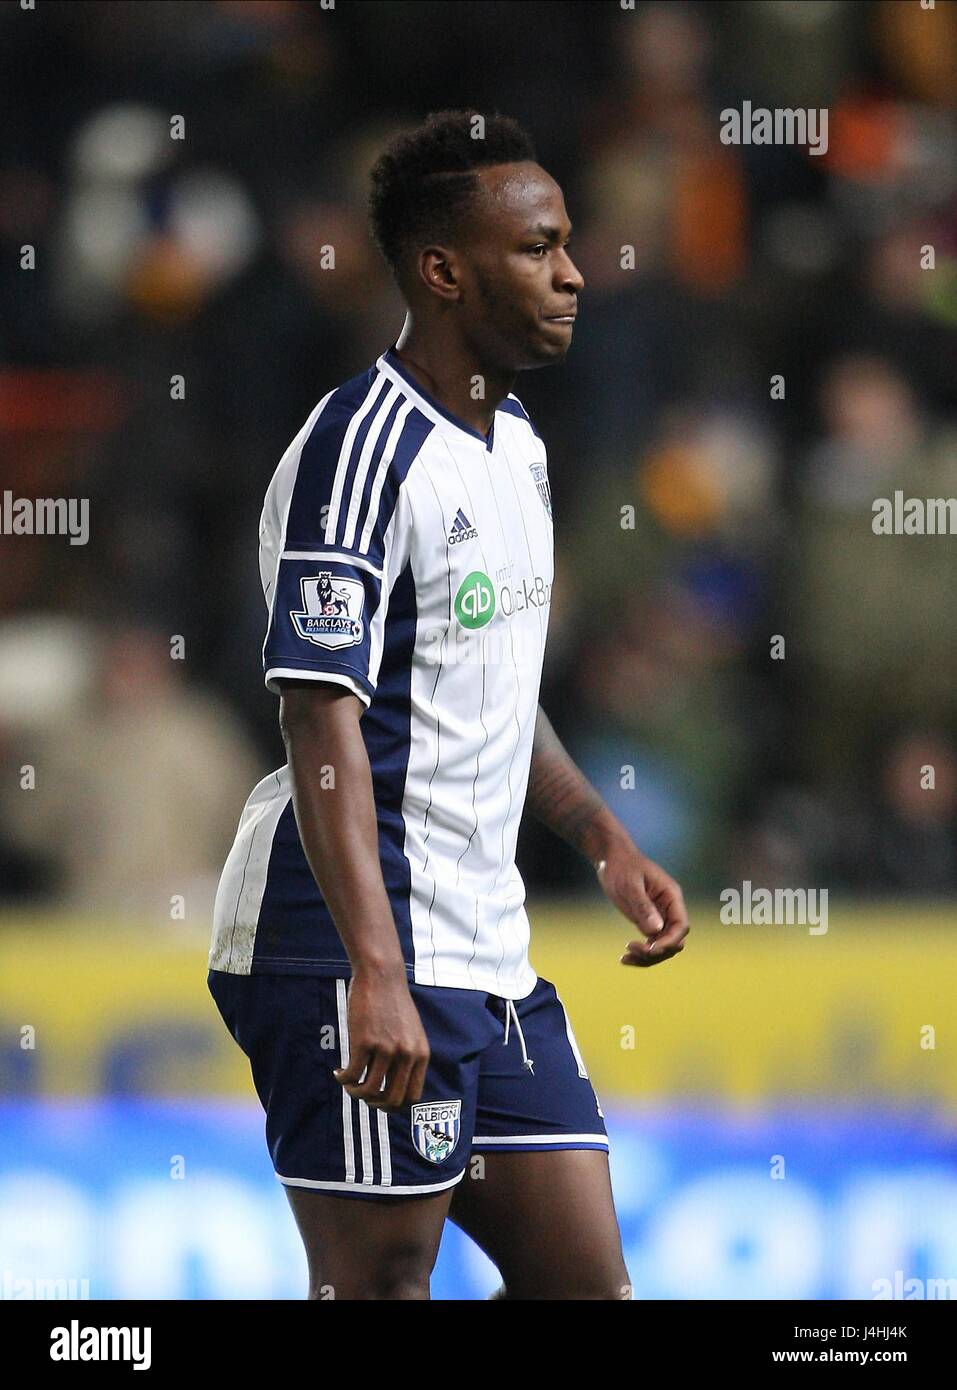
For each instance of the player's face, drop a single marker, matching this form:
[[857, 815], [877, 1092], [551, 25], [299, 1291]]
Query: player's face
[[520, 286]]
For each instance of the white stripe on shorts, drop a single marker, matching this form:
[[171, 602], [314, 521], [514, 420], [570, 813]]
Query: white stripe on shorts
[[411, 1190], [385, 1153], [348, 1143], [582, 1070], [365, 1138], [495, 1139]]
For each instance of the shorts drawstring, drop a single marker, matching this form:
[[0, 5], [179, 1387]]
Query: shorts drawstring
[[511, 1013]]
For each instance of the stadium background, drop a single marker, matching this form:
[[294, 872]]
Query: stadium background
[[131, 1151]]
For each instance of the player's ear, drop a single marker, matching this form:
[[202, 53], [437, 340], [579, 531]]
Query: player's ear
[[438, 270]]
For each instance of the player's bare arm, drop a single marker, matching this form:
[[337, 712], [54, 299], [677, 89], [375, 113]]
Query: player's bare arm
[[337, 824], [562, 798]]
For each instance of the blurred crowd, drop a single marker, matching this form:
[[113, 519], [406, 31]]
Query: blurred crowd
[[759, 685]]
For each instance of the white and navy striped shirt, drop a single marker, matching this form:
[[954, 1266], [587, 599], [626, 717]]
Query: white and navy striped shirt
[[409, 558]]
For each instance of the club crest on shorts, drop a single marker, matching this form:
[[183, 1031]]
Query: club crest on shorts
[[332, 611], [435, 1128], [540, 478]]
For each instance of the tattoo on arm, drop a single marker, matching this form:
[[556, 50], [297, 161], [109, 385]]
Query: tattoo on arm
[[559, 794]]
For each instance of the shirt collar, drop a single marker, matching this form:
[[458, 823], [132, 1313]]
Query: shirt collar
[[392, 367]]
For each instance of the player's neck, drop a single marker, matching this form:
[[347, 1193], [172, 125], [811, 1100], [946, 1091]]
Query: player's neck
[[449, 372]]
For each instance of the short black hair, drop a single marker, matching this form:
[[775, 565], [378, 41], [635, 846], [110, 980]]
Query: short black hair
[[425, 178]]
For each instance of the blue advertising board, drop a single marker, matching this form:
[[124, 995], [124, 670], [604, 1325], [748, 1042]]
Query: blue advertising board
[[177, 1200]]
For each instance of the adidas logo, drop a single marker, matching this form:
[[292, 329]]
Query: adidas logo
[[462, 529]]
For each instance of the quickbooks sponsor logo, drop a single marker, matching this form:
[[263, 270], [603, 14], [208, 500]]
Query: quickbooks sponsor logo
[[531, 593], [475, 601]]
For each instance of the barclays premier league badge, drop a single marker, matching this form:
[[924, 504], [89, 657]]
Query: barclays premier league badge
[[332, 609]]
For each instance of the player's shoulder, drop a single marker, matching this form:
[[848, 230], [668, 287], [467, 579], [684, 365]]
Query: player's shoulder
[[323, 434], [365, 414], [345, 400], [512, 406], [341, 478], [360, 419]]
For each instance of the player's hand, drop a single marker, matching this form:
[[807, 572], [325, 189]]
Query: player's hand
[[388, 1049], [647, 896]]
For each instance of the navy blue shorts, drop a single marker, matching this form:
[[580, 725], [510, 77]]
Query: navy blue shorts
[[479, 1094]]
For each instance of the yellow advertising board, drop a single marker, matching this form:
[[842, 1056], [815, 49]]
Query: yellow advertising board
[[745, 1013]]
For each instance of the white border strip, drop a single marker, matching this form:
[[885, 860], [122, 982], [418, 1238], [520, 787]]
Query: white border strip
[[348, 1142], [385, 1150], [573, 1044], [357, 560], [360, 1188], [382, 472], [373, 435], [345, 455], [307, 674], [365, 1140], [541, 1139]]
